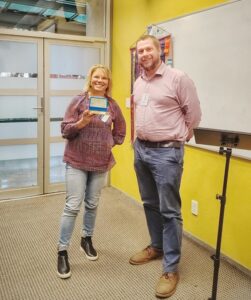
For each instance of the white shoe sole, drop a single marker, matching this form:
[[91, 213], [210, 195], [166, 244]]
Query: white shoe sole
[[89, 257], [64, 276]]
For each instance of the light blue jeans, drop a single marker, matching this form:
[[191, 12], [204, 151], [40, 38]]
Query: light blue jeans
[[80, 186], [159, 172]]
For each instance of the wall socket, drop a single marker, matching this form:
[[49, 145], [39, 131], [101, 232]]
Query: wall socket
[[194, 207]]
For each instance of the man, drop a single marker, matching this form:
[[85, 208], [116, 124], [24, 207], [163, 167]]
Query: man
[[166, 109]]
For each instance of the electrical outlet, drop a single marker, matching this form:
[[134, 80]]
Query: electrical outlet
[[194, 207]]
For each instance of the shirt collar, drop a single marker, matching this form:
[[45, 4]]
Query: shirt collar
[[159, 72]]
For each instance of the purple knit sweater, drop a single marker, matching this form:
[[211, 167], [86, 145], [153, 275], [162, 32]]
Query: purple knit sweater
[[90, 148]]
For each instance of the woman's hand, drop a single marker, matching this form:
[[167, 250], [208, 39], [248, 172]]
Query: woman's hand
[[85, 119]]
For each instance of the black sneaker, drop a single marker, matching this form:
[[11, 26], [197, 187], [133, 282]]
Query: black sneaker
[[63, 265], [87, 247]]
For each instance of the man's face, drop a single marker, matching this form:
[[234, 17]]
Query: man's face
[[148, 55]]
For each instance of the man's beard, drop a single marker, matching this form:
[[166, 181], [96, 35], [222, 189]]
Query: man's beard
[[151, 67]]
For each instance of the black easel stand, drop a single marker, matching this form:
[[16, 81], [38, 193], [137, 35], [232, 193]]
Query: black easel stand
[[226, 140], [222, 198]]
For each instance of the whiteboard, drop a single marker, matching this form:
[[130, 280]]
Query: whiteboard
[[214, 48]]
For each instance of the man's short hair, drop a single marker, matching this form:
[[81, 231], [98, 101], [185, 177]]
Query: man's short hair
[[151, 37]]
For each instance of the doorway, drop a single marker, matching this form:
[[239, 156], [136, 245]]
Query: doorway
[[38, 79]]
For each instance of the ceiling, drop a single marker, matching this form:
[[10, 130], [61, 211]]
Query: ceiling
[[41, 15]]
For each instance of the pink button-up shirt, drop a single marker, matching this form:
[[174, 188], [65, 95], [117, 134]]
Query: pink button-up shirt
[[166, 106]]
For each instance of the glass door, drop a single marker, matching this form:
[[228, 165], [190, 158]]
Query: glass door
[[38, 79], [66, 67], [21, 117]]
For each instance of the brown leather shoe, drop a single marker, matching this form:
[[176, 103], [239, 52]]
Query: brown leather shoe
[[146, 255], [167, 284]]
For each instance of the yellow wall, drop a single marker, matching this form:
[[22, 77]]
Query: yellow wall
[[203, 170]]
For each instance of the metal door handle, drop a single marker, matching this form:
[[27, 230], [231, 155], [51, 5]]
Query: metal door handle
[[41, 103]]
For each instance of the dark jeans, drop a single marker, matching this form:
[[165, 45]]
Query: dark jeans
[[159, 173]]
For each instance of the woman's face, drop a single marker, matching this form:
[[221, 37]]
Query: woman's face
[[99, 82]]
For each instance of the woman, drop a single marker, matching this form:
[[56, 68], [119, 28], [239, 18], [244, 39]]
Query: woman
[[88, 157]]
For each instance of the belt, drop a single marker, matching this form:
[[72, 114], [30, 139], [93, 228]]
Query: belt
[[162, 144]]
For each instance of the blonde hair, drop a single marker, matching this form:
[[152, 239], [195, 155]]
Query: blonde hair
[[152, 38], [107, 74]]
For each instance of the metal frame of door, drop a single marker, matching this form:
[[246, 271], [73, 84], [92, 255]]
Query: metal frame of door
[[38, 92], [56, 187], [43, 94]]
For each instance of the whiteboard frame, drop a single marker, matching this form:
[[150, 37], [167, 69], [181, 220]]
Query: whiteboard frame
[[193, 13], [244, 154]]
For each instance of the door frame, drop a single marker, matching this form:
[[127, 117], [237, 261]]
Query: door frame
[[38, 92], [43, 39], [58, 187]]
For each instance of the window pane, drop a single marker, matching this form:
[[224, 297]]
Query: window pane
[[85, 18], [18, 166], [57, 166], [18, 119], [20, 72], [58, 105], [72, 73], [18, 130]]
